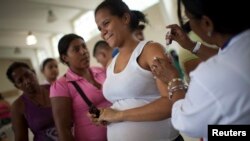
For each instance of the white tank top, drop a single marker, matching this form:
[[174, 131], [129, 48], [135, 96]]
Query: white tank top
[[130, 88]]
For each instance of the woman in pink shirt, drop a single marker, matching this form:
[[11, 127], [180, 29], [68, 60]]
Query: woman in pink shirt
[[69, 108]]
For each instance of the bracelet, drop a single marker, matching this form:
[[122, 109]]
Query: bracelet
[[197, 47], [174, 80], [176, 88], [182, 86]]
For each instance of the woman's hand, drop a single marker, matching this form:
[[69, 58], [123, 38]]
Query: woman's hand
[[163, 69], [178, 35], [110, 115], [95, 120]]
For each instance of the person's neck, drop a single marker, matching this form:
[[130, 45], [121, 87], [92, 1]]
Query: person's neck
[[41, 97], [87, 74], [221, 40], [129, 45], [36, 91], [82, 72]]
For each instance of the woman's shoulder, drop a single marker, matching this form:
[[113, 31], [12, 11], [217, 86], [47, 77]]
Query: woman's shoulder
[[98, 69], [61, 82], [151, 47], [59, 87], [99, 73], [18, 105], [153, 44]]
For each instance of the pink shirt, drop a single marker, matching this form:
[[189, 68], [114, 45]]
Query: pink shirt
[[4, 110], [84, 130]]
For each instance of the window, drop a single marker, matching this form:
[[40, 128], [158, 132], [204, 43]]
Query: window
[[140, 4], [41, 55], [85, 26], [55, 40]]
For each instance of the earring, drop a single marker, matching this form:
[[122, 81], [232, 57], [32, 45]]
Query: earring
[[209, 34]]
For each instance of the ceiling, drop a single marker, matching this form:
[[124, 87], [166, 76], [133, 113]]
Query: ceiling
[[17, 17]]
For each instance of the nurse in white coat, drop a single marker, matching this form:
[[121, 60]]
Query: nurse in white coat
[[219, 89]]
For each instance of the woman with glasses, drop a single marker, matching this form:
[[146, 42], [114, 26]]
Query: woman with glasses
[[219, 88]]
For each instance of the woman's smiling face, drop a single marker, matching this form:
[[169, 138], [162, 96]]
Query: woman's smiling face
[[112, 27]]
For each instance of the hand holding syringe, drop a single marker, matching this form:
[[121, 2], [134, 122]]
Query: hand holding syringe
[[168, 39]]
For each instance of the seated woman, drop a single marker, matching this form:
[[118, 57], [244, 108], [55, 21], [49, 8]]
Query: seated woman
[[32, 109]]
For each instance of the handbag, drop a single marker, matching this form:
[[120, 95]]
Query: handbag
[[92, 107]]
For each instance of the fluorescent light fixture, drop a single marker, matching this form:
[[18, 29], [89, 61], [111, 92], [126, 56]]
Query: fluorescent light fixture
[[31, 39]]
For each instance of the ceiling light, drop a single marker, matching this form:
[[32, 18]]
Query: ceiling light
[[31, 39], [51, 17]]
